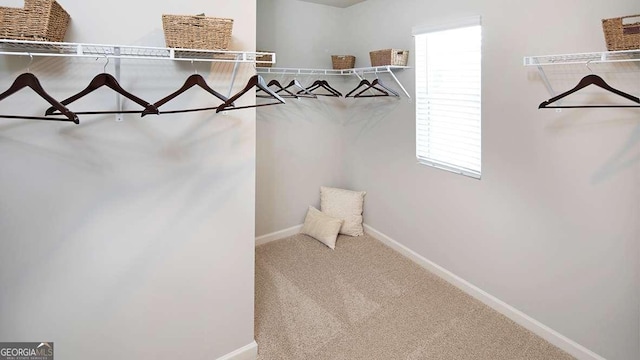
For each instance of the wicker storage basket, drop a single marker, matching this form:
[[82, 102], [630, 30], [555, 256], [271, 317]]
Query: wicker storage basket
[[621, 34], [389, 57], [42, 20], [197, 32], [340, 62], [266, 57]]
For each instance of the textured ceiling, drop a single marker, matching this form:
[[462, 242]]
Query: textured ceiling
[[337, 3]]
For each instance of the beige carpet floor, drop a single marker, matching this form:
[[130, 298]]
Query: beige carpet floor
[[365, 301]]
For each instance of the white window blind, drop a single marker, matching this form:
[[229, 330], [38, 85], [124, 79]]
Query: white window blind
[[448, 97]]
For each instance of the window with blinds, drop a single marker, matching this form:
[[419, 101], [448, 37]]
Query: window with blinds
[[448, 94]]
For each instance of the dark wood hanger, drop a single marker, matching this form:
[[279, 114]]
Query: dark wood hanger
[[363, 82], [325, 85], [109, 81], [191, 81], [31, 81], [288, 94], [254, 81], [586, 81], [303, 91], [378, 85]]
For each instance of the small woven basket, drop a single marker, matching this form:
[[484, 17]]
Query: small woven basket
[[622, 34], [264, 60], [40, 20], [389, 57], [340, 62], [197, 32]]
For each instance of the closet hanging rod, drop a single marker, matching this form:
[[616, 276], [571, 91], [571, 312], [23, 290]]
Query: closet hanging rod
[[61, 49]]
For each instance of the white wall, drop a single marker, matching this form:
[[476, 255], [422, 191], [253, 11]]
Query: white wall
[[300, 146], [133, 239], [552, 228], [305, 34]]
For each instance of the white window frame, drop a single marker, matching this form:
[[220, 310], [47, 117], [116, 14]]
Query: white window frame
[[422, 120]]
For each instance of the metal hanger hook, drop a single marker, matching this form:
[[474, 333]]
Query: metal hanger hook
[[311, 75], [193, 65], [587, 65], [30, 62], [104, 69]]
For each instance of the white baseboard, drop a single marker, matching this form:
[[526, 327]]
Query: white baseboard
[[248, 352], [278, 235], [505, 309]]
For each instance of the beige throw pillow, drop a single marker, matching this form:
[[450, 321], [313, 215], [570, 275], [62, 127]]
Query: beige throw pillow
[[321, 227], [346, 205]]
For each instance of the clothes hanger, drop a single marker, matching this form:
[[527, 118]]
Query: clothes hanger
[[279, 87], [288, 94], [30, 80], [378, 85], [590, 79], [325, 85], [316, 84], [191, 81], [105, 79], [254, 81], [363, 82], [303, 93]]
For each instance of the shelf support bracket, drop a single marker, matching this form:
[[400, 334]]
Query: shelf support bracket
[[233, 77], [398, 82], [545, 79], [116, 53]]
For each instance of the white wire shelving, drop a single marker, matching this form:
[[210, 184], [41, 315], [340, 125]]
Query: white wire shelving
[[296, 71], [118, 52], [358, 72], [584, 58], [604, 57], [60, 49]]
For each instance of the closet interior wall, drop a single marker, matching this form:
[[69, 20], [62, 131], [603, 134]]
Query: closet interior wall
[[125, 239], [301, 144], [551, 229]]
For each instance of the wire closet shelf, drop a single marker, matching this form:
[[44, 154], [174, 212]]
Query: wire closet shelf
[[604, 57], [61, 49], [584, 58], [358, 72]]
